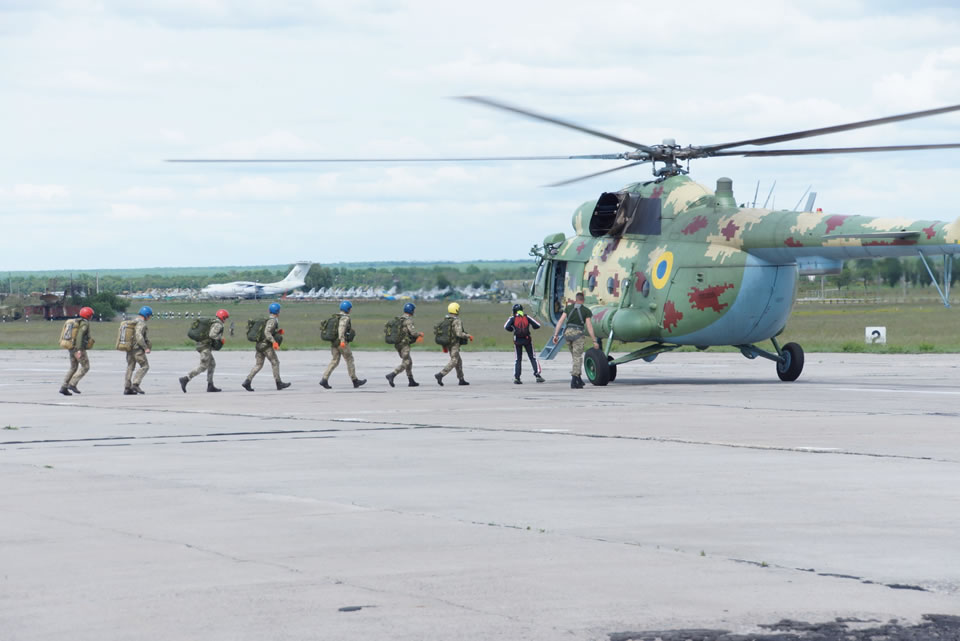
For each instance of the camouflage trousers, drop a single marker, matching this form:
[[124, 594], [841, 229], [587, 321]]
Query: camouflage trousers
[[207, 364], [82, 363], [136, 357], [455, 361], [266, 354], [335, 353], [575, 339], [406, 363]]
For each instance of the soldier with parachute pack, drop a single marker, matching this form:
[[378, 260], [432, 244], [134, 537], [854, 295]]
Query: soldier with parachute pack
[[75, 338], [338, 330], [132, 339], [267, 335], [450, 334], [400, 332], [208, 334], [521, 324]]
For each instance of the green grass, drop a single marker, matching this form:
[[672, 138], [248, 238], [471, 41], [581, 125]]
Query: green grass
[[911, 328]]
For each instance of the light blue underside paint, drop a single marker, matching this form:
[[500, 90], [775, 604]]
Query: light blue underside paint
[[761, 309]]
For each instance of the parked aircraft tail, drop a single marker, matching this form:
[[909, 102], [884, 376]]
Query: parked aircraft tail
[[298, 273]]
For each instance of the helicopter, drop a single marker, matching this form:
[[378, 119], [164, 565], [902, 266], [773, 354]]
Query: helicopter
[[667, 263]]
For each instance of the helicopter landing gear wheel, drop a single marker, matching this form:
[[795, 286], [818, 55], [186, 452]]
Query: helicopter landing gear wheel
[[596, 366], [790, 367], [613, 368]]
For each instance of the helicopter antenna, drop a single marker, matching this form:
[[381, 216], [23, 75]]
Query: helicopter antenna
[[770, 193], [755, 192], [797, 206], [810, 201]]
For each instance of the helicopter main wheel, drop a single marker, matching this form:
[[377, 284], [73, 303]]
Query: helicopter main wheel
[[596, 366], [792, 364], [612, 367]]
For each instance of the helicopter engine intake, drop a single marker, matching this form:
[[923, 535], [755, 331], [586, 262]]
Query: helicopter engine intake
[[624, 212]]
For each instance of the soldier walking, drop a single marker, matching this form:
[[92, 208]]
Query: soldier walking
[[406, 334], [138, 353], [577, 316], [521, 324], [266, 349], [213, 341], [340, 346], [459, 337], [78, 354]]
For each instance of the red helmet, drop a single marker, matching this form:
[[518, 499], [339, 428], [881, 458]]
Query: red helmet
[[223, 314], [86, 312]]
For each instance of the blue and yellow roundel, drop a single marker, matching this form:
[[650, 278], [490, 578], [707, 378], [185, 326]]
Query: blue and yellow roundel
[[662, 270]]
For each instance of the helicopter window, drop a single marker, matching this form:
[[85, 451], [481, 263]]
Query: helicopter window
[[611, 285], [538, 279], [592, 282]]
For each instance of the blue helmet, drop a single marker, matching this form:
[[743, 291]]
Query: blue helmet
[[408, 308], [346, 306], [146, 311], [274, 308]]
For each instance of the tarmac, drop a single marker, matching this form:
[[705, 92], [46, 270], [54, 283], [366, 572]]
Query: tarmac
[[695, 492]]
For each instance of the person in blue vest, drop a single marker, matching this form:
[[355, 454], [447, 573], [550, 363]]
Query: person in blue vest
[[521, 324]]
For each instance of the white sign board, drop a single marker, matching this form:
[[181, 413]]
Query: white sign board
[[876, 335]]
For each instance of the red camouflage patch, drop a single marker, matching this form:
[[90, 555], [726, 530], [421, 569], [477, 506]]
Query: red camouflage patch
[[639, 279], [657, 191], [710, 297], [581, 246], [671, 316], [930, 232], [790, 242], [612, 246], [835, 221], [895, 242], [616, 285], [730, 230], [698, 223]]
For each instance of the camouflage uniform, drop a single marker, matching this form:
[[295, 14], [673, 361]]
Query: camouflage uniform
[[459, 336], [207, 363], [408, 334], [343, 327], [264, 350], [137, 355], [79, 362], [575, 336]]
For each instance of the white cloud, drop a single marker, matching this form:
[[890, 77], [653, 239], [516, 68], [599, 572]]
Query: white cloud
[[27, 192]]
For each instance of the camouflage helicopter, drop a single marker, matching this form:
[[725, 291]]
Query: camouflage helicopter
[[667, 262]]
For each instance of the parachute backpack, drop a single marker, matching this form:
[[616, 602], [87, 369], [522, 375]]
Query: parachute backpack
[[443, 332], [330, 328], [392, 330], [126, 335], [200, 329], [521, 326], [68, 335], [255, 327]]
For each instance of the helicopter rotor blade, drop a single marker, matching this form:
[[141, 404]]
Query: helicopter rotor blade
[[831, 130], [359, 160], [599, 173], [487, 102], [833, 150]]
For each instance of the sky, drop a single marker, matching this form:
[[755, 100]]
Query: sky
[[98, 93]]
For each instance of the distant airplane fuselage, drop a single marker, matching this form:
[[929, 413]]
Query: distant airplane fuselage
[[248, 289]]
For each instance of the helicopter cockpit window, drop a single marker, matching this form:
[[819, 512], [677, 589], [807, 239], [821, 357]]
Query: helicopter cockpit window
[[625, 213], [537, 286]]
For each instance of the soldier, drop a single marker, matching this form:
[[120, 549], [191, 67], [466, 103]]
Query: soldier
[[407, 334], [208, 364], [267, 350], [460, 337], [138, 354], [577, 316], [78, 355], [521, 324], [341, 347]]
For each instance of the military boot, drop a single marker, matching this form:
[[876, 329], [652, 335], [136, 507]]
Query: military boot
[[282, 385], [412, 383], [390, 378], [136, 388], [517, 381], [463, 381], [183, 383], [246, 385], [211, 387], [357, 382], [128, 391], [540, 379], [573, 383], [439, 378], [73, 388], [65, 391], [324, 384], [580, 382]]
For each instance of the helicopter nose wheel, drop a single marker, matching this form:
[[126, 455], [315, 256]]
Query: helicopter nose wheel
[[598, 369], [791, 363]]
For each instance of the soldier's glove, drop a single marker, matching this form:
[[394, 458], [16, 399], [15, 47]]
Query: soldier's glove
[[471, 337], [420, 338], [342, 344], [276, 345]]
